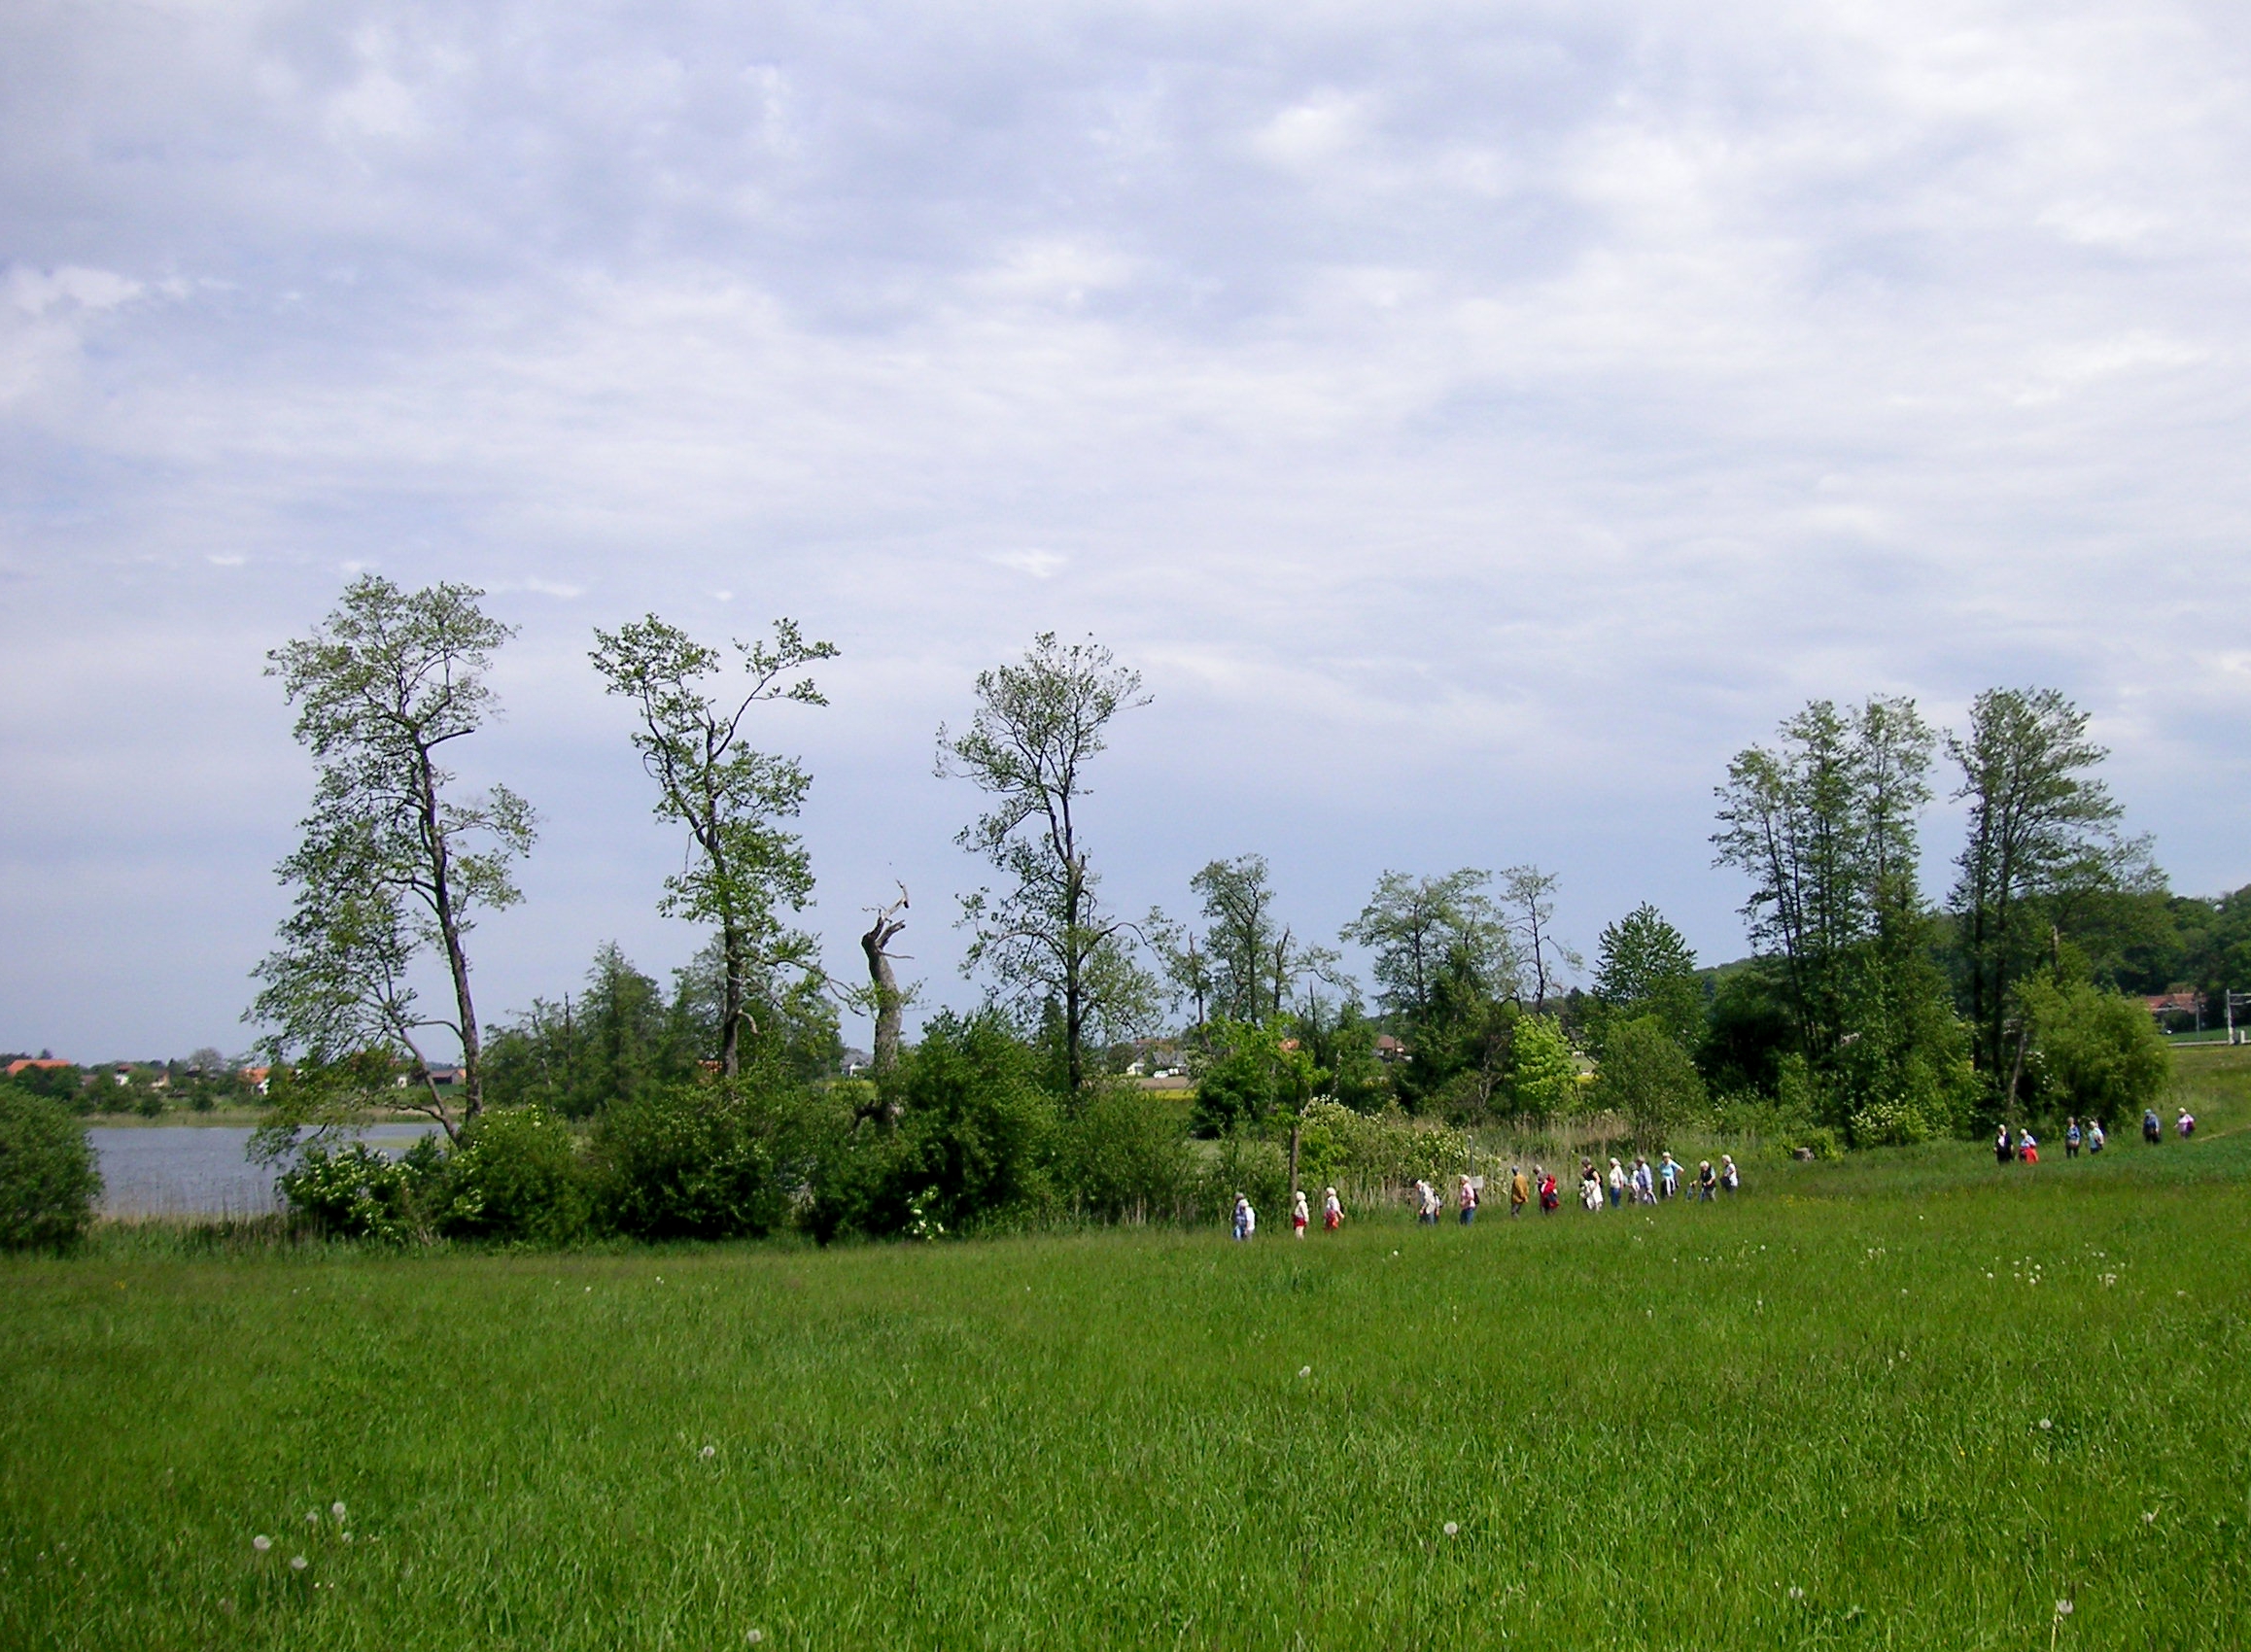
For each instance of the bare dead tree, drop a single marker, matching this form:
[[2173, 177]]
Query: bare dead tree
[[884, 980]]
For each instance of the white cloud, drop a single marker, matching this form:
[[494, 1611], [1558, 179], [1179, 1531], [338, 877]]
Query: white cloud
[[1477, 422]]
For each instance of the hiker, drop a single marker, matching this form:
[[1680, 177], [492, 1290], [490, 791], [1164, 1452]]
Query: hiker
[[1468, 1197], [1549, 1198], [2071, 1137], [2188, 1125], [1590, 1186], [1707, 1182], [1331, 1212], [1644, 1182], [2152, 1131], [1298, 1216], [1425, 1203], [1519, 1191], [1730, 1178], [2002, 1152], [1617, 1183], [1669, 1173], [1246, 1218], [2027, 1150], [2094, 1137]]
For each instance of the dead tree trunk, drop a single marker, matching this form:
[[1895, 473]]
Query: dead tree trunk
[[884, 980]]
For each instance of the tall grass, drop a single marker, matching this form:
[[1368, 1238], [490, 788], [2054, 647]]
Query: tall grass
[[1909, 1400]]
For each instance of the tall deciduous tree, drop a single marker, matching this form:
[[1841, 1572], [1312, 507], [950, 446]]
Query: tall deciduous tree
[[394, 863], [1644, 967], [1528, 899], [1423, 929], [2043, 838], [1046, 936], [746, 869], [1825, 826], [1254, 960]]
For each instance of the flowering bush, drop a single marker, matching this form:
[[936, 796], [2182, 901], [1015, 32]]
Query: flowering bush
[[355, 1192]]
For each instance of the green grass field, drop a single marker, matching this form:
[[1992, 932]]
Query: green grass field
[[1909, 1400]]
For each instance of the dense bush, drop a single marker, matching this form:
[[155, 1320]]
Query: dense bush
[[1125, 1156], [704, 1160], [355, 1192], [964, 1137], [2098, 1055], [48, 1180], [517, 1173], [1253, 1166], [1647, 1079]]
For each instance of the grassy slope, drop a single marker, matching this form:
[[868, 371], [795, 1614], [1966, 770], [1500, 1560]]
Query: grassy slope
[[1650, 1427]]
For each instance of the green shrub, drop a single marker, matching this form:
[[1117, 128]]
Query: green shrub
[[1542, 1072], [1891, 1123], [701, 1160], [2098, 1055], [968, 1143], [1255, 1167], [1647, 1079], [516, 1174], [49, 1177], [1125, 1156], [355, 1192]]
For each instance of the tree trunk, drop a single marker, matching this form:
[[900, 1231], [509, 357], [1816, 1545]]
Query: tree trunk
[[885, 981], [731, 1003], [472, 1090]]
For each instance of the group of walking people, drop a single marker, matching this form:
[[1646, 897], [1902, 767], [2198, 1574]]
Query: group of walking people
[[2023, 1148], [1645, 1183]]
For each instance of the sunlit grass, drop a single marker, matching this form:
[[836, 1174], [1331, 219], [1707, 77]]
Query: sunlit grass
[[1909, 1400]]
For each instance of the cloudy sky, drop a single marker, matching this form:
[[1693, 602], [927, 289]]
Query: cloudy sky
[[1476, 421]]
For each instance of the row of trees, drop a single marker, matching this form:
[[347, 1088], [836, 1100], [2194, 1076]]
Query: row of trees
[[1867, 1007]]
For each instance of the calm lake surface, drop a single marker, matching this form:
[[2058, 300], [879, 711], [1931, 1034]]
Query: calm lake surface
[[199, 1169]]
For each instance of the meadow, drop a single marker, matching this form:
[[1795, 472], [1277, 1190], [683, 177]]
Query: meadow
[[1907, 1401]]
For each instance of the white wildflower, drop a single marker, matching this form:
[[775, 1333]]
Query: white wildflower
[[2063, 1608], [1304, 1370], [1797, 1594]]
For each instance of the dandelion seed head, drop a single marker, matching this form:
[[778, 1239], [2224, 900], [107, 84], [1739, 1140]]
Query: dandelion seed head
[[336, 1509], [2063, 1608], [707, 1453], [1453, 1529], [312, 1517], [755, 1636], [2045, 1424], [261, 1542], [1304, 1370], [296, 1562]]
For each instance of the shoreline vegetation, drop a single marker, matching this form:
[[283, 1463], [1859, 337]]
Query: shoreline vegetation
[[1869, 1016]]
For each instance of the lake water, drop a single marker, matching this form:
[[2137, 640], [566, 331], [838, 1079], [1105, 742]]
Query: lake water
[[199, 1169]]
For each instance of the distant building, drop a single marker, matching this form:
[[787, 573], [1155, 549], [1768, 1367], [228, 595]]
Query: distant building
[[35, 1064]]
